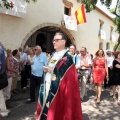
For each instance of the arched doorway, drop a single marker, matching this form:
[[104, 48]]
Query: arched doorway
[[42, 35]]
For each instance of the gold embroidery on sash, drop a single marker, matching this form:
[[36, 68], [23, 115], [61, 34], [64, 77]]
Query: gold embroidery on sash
[[53, 77], [53, 61]]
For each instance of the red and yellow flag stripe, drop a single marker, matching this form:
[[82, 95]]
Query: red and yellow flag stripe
[[81, 15]]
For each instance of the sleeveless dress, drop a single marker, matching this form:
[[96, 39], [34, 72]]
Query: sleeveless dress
[[99, 70], [115, 74]]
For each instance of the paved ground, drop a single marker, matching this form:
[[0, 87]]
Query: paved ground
[[106, 110]]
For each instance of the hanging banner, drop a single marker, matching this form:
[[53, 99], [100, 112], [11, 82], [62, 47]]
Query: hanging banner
[[103, 35], [114, 38], [18, 9], [70, 23]]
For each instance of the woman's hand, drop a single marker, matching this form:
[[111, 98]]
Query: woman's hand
[[107, 76]]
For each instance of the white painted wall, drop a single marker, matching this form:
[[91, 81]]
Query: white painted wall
[[13, 30]]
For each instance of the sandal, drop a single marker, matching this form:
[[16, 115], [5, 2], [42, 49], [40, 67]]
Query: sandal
[[95, 98], [114, 97], [98, 101]]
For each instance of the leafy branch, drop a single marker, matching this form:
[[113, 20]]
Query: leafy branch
[[91, 4]]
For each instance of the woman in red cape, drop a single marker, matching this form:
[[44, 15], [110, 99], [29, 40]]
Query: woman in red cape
[[63, 100]]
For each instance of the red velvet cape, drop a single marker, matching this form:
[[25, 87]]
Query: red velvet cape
[[65, 104]]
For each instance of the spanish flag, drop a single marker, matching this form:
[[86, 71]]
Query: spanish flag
[[80, 15]]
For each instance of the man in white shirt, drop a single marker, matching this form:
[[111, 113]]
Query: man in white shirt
[[110, 59]]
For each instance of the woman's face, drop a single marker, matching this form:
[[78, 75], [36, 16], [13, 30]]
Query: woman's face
[[100, 53], [119, 56], [31, 51], [10, 54]]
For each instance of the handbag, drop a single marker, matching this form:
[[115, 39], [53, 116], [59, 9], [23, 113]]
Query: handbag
[[3, 80]]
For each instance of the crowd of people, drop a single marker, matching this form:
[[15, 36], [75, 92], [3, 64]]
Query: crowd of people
[[60, 77]]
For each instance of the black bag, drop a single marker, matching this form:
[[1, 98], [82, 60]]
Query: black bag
[[3, 80]]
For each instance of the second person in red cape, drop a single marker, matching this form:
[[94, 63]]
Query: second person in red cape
[[62, 97], [100, 71]]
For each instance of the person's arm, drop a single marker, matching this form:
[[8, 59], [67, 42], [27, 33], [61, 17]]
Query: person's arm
[[117, 66], [106, 68], [111, 63], [93, 65], [77, 62], [45, 60], [89, 63]]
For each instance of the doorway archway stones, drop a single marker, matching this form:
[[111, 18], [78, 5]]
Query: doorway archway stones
[[62, 28]]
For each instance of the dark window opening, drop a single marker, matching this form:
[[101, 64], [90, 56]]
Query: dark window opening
[[67, 11], [107, 46], [100, 45], [101, 26]]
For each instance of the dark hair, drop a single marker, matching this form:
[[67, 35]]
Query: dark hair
[[73, 45], [116, 54], [14, 52], [91, 56], [98, 52], [62, 34], [84, 48]]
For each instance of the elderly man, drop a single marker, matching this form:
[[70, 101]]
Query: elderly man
[[85, 64], [62, 98], [3, 111], [37, 71]]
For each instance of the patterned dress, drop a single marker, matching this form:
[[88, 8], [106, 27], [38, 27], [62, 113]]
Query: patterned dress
[[11, 73]]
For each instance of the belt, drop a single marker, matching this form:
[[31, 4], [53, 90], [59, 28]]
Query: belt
[[83, 69], [100, 67]]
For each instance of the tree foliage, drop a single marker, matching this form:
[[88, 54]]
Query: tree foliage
[[117, 23], [91, 4]]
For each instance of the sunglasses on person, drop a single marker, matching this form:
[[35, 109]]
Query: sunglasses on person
[[35, 49], [56, 40]]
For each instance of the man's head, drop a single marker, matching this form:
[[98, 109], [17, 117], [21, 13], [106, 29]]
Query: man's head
[[26, 50], [20, 49], [59, 41], [83, 51], [37, 50], [72, 48], [108, 52]]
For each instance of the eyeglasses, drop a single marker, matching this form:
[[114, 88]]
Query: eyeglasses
[[81, 51], [56, 40], [35, 49]]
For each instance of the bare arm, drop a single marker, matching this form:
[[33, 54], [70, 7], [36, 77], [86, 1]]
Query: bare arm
[[117, 66], [106, 67]]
